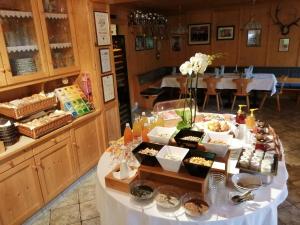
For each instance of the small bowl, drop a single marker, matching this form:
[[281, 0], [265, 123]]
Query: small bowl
[[168, 197], [161, 135], [220, 146], [170, 157], [142, 190], [246, 182], [179, 138], [148, 160], [194, 205]]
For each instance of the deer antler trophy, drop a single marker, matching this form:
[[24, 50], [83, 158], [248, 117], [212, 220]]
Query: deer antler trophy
[[284, 28]]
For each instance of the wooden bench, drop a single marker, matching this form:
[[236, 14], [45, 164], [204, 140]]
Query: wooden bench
[[294, 88]]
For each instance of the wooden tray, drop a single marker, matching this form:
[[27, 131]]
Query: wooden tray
[[181, 179], [46, 128], [120, 185], [27, 110]]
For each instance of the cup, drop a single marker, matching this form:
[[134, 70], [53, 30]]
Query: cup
[[216, 187]]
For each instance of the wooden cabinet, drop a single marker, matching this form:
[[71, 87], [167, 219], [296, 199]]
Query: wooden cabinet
[[2, 73], [20, 193], [21, 42], [56, 168], [59, 35], [86, 143]]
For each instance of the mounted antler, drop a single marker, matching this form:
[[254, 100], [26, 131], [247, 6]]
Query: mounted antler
[[284, 28]]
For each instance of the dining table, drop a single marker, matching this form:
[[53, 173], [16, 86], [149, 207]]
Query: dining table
[[119, 208], [259, 82]]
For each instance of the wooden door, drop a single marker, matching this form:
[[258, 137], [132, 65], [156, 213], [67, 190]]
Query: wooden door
[[21, 42], [2, 73], [56, 169], [20, 193], [86, 143], [60, 37]]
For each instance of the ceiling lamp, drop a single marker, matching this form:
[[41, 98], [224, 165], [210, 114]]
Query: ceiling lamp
[[252, 24]]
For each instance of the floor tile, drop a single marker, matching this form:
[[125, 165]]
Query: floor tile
[[68, 199], [94, 221], [88, 210], [289, 215], [86, 193], [65, 215], [43, 219]]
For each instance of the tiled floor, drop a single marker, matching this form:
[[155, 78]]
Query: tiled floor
[[76, 206]]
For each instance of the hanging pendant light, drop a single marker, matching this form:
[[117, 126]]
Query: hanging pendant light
[[252, 24], [180, 29]]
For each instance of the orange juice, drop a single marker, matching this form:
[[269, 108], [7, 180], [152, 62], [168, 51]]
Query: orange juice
[[128, 137], [137, 129], [145, 132], [144, 119]]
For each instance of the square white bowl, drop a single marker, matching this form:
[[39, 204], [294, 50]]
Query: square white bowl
[[166, 159], [161, 135], [219, 149]]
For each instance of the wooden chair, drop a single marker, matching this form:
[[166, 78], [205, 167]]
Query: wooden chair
[[183, 92], [279, 90], [211, 83], [241, 90]]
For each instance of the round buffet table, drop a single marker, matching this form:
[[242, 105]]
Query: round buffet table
[[117, 208]]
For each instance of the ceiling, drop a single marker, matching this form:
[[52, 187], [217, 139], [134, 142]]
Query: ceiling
[[172, 6]]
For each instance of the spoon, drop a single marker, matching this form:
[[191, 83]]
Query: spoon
[[244, 197]]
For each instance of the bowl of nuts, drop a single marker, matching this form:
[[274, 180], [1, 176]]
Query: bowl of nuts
[[146, 153], [194, 205], [188, 138], [198, 163]]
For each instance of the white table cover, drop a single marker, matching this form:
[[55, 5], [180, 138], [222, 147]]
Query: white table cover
[[260, 81], [116, 208]]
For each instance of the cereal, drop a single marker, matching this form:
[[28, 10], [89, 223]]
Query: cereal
[[191, 138], [149, 151], [200, 161]]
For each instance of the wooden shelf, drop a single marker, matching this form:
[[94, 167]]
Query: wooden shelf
[[58, 16], [16, 14], [25, 48]]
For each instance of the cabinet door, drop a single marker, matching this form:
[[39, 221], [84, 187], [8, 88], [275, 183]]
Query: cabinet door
[[59, 35], [20, 193], [86, 145], [21, 41], [2, 73], [56, 169]]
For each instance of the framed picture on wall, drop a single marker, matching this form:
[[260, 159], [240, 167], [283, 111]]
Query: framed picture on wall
[[225, 33], [102, 28], [284, 44], [105, 60], [108, 88], [254, 38], [199, 34], [139, 43], [176, 43], [149, 42]]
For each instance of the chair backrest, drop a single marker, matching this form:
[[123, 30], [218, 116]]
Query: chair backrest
[[281, 80], [168, 105], [241, 86], [182, 80], [211, 83]]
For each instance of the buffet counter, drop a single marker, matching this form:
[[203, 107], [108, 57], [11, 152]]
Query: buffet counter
[[118, 208]]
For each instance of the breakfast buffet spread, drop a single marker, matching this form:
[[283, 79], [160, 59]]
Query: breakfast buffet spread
[[180, 170]]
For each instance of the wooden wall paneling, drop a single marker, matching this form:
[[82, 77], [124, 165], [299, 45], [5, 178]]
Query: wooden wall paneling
[[20, 193], [56, 168], [113, 129]]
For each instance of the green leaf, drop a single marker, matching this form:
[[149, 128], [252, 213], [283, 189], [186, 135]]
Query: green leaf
[[182, 125]]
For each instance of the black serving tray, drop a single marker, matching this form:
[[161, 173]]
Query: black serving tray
[[186, 143], [198, 170], [146, 159]]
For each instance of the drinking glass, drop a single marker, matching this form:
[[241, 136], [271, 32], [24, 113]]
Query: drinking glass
[[216, 187]]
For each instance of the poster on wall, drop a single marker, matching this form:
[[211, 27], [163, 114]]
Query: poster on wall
[[102, 28], [253, 38], [225, 33], [284, 44], [108, 88], [105, 60], [199, 34]]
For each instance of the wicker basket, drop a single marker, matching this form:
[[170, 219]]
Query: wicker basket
[[46, 128], [27, 110]]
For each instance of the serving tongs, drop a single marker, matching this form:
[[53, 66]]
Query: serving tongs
[[247, 196]]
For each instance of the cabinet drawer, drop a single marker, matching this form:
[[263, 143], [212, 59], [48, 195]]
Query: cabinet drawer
[[51, 142], [15, 160]]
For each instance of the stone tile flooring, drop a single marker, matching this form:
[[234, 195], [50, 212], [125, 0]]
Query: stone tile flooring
[[76, 206]]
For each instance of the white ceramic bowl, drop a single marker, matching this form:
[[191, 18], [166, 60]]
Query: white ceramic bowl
[[170, 157], [219, 148], [161, 135], [220, 133], [244, 182]]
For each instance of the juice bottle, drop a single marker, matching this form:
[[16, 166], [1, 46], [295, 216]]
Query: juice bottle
[[240, 116], [144, 119], [137, 129], [160, 121], [145, 132], [128, 137]]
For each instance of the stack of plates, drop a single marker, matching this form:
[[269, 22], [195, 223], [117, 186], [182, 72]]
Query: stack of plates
[[8, 132], [23, 65]]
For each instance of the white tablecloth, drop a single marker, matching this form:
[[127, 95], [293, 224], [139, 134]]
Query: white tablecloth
[[260, 81], [116, 208]]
